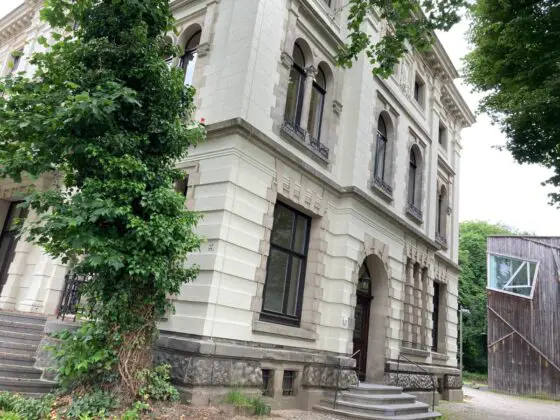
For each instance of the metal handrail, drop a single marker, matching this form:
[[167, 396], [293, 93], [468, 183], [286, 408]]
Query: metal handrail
[[424, 370], [338, 378]]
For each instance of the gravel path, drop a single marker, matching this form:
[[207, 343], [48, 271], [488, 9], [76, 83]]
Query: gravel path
[[303, 415], [486, 405]]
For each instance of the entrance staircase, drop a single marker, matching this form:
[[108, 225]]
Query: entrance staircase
[[20, 335], [376, 402]]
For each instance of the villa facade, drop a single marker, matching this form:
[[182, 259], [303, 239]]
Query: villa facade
[[329, 198]]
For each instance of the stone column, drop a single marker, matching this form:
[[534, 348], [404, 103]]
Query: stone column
[[409, 315], [33, 301], [426, 312], [417, 332], [10, 291], [311, 72]]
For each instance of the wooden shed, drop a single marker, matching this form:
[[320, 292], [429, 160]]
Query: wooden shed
[[524, 315]]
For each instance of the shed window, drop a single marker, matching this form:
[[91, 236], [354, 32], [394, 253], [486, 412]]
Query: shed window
[[512, 275]]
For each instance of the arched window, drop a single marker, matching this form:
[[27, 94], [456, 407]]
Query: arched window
[[296, 88], [412, 175], [380, 149], [188, 60], [317, 104]]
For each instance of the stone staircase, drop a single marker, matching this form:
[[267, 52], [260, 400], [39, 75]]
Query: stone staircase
[[376, 402], [20, 335]]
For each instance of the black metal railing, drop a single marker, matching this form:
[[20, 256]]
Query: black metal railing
[[380, 183], [319, 147], [338, 377], [434, 382], [294, 130], [71, 295], [414, 211], [441, 239]]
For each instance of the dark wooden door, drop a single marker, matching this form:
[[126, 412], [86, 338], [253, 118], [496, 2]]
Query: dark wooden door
[[361, 332], [8, 240]]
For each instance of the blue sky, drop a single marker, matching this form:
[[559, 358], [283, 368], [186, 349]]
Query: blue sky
[[493, 186]]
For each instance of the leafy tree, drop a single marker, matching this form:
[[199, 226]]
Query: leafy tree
[[515, 64], [106, 115], [411, 22], [472, 290]]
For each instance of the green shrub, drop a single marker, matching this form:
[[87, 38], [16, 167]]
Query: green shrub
[[95, 404], [134, 412], [156, 384], [84, 356], [255, 404], [25, 408], [10, 415]]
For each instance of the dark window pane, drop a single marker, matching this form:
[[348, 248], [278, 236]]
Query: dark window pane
[[315, 112], [380, 158], [282, 228], [275, 281], [293, 286], [301, 234]]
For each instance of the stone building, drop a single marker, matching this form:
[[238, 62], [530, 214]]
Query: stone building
[[329, 199]]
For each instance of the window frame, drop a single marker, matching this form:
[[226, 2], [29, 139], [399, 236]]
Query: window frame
[[300, 92], [381, 138], [323, 92], [412, 175], [284, 318], [498, 254], [436, 300], [441, 212], [192, 53]]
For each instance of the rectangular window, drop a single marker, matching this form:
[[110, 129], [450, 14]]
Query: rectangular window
[[512, 275], [182, 186], [288, 383], [442, 136], [16, 59], [419, 91], [435, 318], [285, 276]]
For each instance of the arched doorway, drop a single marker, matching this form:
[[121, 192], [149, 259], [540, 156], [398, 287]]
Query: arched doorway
[[361, 320], [370, 316]]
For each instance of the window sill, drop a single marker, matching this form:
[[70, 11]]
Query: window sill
[[303, 141], [414, 213], [439, 356], [415, 352], [270, 328], [382, 189]]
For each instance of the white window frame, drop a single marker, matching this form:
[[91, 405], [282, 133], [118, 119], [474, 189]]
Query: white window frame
[[524, 260]]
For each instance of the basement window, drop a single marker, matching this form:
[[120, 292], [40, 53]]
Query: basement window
[[512, 275], [288, 383]]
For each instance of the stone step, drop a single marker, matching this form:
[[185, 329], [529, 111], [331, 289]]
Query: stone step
[[34, 386], [23, 327], [382, 409], [15, 371], [364, 388], [20, 337], [355, 415], [11, 358], [9, 346], [23, 317], [378, 399]]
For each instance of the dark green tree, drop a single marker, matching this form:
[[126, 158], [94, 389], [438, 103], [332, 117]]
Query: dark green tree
[[106, 115], [472, 290], [515, 64], [410, 22]]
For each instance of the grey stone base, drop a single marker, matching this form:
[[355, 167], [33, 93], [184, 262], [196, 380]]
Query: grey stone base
[[426, 397], [412, 381], [453, 394], [206, 370]]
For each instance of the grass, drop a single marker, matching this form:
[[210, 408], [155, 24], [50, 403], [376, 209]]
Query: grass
[[475, 377], [254, 404]]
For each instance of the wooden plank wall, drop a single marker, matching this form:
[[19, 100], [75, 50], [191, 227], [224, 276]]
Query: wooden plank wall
[[526, 360]]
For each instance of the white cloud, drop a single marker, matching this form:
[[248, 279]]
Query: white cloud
[[493, 186]]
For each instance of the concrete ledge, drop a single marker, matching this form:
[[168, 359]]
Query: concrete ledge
[[409, 367], [415, 352], [440, 356], [283, 330]]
